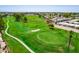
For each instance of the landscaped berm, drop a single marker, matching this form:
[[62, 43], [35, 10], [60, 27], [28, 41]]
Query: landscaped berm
[[35, 33]]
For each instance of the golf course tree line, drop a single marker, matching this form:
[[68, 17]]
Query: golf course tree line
[[65, 14], [1, 23], [20, 17]]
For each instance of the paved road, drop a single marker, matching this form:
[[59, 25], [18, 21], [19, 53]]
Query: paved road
[[6, 32], [67, 28]]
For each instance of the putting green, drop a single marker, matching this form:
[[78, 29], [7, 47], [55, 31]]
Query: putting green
[[52, 37]]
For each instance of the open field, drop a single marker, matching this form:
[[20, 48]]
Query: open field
[[44, 40]]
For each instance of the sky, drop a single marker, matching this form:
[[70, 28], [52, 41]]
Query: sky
[[39, 8]]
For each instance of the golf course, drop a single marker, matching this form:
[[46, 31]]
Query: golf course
[[35, 36]]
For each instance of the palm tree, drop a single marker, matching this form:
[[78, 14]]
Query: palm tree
[[70, 40]]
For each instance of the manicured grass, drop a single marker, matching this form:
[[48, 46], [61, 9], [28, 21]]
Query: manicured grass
[[21, 30], [53, 37], [14, 46], [45, 40], [75, 42]]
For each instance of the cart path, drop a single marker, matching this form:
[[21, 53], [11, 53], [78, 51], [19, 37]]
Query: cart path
[[6, 32]]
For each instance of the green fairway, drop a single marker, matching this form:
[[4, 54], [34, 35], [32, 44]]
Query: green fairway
[[52, 37], [75, 42], [45, 40], [13, 45]]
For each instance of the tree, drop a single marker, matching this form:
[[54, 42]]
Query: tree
[[70, 40], [67, 15], [18, 16], [25, 20], [51, 26], [1, 24], [40, 16], [50, 16]]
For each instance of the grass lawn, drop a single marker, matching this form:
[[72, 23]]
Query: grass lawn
[[53, 37], [75, 42], [13, 45], [45, 40]]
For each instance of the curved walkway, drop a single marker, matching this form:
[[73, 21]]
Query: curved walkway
[[6, 32]]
